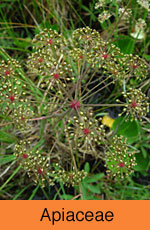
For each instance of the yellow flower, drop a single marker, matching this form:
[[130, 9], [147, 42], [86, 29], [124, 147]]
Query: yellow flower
[[108, 121]]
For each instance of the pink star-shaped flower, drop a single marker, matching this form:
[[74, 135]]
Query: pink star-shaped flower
[[75, 104], [121, 164], [86, 131]]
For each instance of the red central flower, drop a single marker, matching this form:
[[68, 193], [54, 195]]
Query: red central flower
[[7, 72], [134, 104], [25, 156], [41, 60], [81, 57], [22, 118], [40, 171], [49, 42], [71, 177], [56, 76], [121, 164], [105, 56], [86, 131], [12, 98], [75, 104]]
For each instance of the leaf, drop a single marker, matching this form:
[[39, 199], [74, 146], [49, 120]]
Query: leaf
[[94, 188], [147, 146], [42, 127], [94, 178], [38, 145], [147, 57], [142, 163], [21, 191], [90, 11], [34, 192], [87, 167], [6, 137], [84, 191], [128, 129], [143, 152], [4, 159], [11, 176], [66, 197], [126, 44]]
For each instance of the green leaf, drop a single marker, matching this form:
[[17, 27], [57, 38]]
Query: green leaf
[[42, 127], [11, 176], [94, 178], [84, 191], [147, 57], [143, 152], [34, 192], [87, 167], [66, 197], [38, 145], [94, 188], [142, 163], [93, 17], [21, 191], [4, 159], [6, 137], [23, 44], [147, 146], [128, 129], [126, 44]]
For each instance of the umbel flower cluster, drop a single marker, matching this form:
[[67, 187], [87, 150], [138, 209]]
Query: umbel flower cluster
[[13, 101], [105, 9], [38, 167], [49, 61], [145, 4], [137, 105], [84, 133], [67, 73], [124, 13], [119, 160]]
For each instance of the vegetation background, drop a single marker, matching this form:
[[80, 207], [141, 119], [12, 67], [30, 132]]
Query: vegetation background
[[20, 21]]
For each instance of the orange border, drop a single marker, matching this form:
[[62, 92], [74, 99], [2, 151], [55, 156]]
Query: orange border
[[26, 215]]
